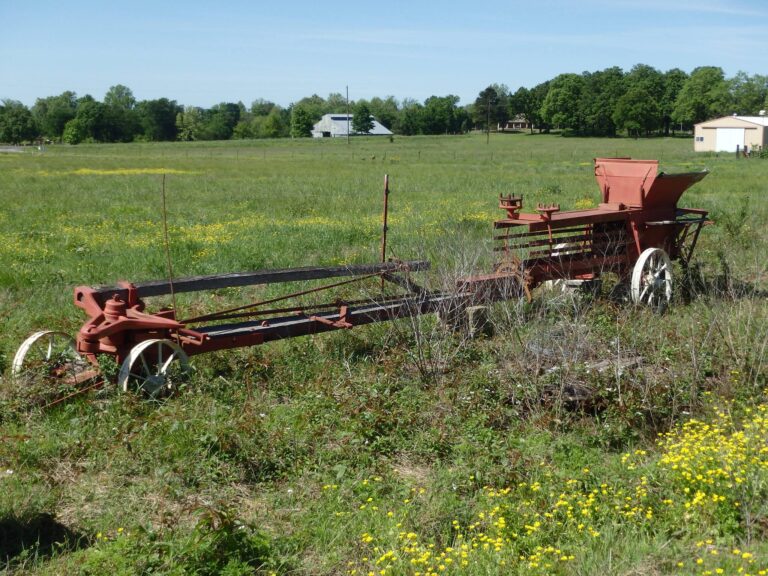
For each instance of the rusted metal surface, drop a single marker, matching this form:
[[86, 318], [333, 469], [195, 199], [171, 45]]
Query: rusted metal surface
[[638, 216], [638, 211], [118, 319]]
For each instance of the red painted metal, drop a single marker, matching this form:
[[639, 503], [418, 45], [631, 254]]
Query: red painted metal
[[638, 210], [118, 319]]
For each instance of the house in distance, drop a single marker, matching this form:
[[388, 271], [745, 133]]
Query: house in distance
[[336, 125], [731, 133]]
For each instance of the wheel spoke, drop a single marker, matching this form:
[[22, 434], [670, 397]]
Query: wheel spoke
[[145, 365], [49, 349], [160, 361], [138, 377], [651, 279], [168, 363]]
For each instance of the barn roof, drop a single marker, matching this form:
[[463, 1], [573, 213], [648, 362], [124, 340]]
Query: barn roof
[[737, 120], [336, 125]]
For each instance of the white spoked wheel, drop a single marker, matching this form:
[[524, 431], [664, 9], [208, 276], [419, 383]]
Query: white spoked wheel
[[47, 356], [651, 283], [153, 367]]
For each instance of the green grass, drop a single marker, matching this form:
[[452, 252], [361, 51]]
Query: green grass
[[268, 457]]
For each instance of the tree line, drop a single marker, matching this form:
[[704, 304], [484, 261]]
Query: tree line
[[641, 102]]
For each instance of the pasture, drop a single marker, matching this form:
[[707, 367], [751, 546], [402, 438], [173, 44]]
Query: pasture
[[394, 448]]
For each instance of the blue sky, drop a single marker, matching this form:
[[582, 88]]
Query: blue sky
[[201, 53]]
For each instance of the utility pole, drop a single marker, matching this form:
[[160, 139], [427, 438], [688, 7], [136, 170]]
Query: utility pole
[[488, 121], [347, 114]]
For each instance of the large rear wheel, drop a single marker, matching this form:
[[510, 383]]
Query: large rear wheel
[[651, 282], [154, 367]]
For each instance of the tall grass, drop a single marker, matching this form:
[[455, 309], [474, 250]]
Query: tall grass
[[307, 455]]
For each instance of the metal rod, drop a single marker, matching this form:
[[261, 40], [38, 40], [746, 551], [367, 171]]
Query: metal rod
[[217, 315], [77, 392], [384, 227], [233, 280], [168, 248], [302, 308]]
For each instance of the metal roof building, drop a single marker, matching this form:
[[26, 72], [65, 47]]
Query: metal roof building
[[726, 133], [335, 126]]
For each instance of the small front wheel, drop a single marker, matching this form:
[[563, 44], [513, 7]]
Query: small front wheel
[[48, 356]]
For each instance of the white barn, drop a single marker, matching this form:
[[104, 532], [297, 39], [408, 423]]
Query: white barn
[[726, 133], [335, 126]]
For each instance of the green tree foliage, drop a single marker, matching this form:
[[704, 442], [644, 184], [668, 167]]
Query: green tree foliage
[[637, 112], [301, 122], [491, 107], [362, 120], [262, 107], [539, 93], [120, 96], [219, 122], [647, 78], [524, 103], [276, 124], [385, 111], [336, 103], [17, 124], [74, 132], [591, 103], [599, 96], [441, 115], [313, 105], [410, 121], [188, 123], [704, 95], [53, 113], [122, 114], [749, 93], [674, 80], [158, 119], [97, 122], [561, 105]]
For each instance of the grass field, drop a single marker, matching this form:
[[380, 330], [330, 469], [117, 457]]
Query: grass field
[[394, 448]]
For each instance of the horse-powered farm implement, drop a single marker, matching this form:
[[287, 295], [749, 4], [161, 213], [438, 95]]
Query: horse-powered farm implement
[[635, 232]]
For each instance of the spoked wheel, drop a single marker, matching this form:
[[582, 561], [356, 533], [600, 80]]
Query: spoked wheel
[[154, 367], [651, 283], [48, 364]]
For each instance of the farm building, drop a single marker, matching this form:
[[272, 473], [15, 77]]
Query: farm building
[[335, 126], [515, 124], [726, 133]]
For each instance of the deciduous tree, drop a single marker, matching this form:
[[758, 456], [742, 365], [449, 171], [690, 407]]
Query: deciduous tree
[[362, 121], [637, 112], [385, 111], [704, 95], [16, 123], [561, 105], [491, 106], [158, 118], [53, 113], [749, 93], [120, 96], [301, 122], [674, 80]]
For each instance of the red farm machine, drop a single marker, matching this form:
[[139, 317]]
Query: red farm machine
[[635, 233]]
